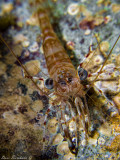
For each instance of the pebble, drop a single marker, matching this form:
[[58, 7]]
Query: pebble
[[25, 43], [7, 8], [98, 20], [117, 60], [41, 49], [107, 19], [33, 20], [115, 7], [72, 126], [93, 140], [63, 148], [104, 46], [19, 38], [58, 139], [70, 45], [109, 85], [116, 100], [3, 68], [14, 120], [26, 53], [34, 47], [105, 129], [69, 156], [20, 24], [52, 125], [107, 71], [87, 32], [101, 141], [37, 106], [33, 67]]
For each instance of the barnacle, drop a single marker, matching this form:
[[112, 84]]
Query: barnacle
[[73, 9]]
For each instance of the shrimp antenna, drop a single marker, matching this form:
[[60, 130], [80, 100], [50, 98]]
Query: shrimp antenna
[[104, 63], [102, 67], [2, 39], [41, 71], [90, 50], [106, 60]]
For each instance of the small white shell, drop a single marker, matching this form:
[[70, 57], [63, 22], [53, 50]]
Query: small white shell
[[87, 32], [25, 43], [73, 9]]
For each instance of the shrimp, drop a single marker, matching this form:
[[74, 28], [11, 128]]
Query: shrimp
[[65, 84], [66, 80]]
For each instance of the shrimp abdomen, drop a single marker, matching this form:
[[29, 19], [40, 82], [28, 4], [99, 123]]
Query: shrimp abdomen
[[55, 54]]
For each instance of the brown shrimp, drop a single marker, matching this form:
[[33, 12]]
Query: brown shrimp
[[66, 79]]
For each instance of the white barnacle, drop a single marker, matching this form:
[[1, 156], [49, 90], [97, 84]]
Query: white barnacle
[[73, 9]]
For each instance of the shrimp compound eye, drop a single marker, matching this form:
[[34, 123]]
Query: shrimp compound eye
[[70, 79], [82, 74], [49, 83], [62, 82]]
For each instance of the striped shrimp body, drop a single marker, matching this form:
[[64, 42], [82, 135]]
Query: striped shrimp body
[[64, 78]]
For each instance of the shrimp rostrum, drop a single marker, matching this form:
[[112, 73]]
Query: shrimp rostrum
[[65, 80]]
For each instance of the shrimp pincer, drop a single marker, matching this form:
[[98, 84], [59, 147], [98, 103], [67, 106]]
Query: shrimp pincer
[[65, 80]]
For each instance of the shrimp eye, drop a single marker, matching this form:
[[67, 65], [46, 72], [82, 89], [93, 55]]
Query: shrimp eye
[[70, 79], [49, 83], [82, 74], [62, 82]]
